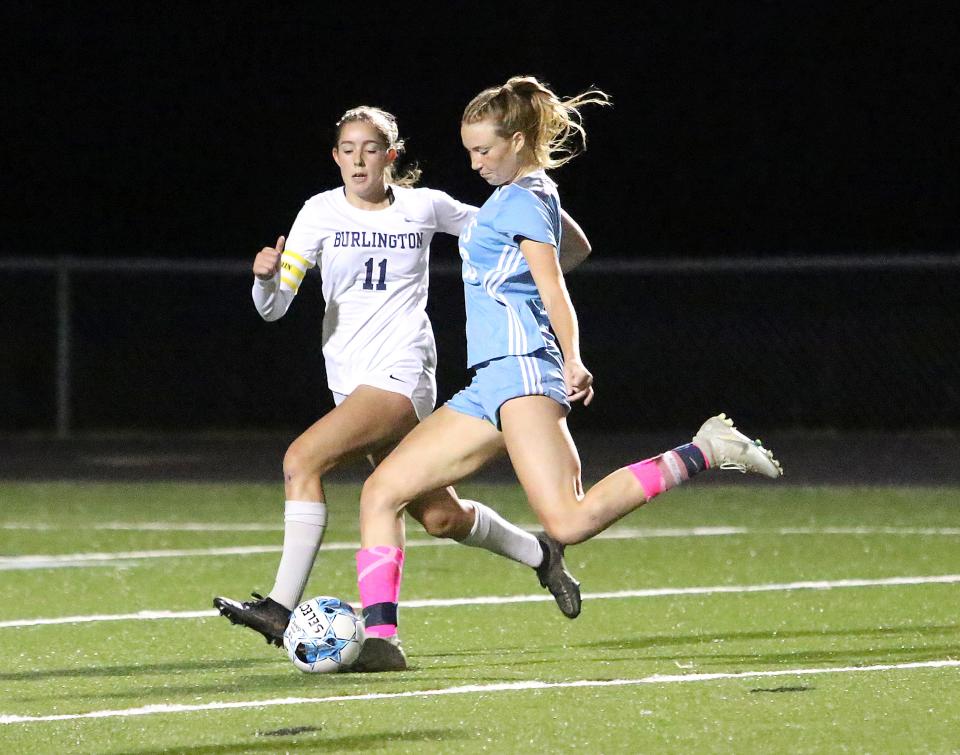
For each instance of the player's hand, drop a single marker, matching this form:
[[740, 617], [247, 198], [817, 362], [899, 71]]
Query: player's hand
[[578, 381], [267, 262]]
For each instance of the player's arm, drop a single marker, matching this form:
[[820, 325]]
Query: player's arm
[[574, 244], [271, 298], [451, 214], [545, 267]]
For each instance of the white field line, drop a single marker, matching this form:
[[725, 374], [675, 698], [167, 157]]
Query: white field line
[[54, 561], [147, 526], [152, 710], [654, 592], [618, 533], [8, 563]]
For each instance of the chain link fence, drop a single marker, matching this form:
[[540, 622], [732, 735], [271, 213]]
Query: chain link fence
[[831, 343]]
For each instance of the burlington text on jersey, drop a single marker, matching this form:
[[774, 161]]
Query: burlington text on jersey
[[372, 239]]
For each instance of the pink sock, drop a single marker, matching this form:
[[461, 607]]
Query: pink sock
[[662, 472], [379, 570], [648, 475]]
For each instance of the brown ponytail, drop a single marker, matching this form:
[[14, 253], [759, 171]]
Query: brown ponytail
[[386, 125]]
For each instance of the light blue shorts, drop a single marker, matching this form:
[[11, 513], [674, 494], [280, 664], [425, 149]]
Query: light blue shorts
[[499, 380]]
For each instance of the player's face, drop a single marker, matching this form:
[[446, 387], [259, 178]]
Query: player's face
[[497, 159], [362, 157]]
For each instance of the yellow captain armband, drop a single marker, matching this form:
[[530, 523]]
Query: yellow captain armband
[[297, 258], [293, 267]]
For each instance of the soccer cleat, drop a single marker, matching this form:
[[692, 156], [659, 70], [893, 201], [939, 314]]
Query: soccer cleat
[[553, 575], [381, 654], [726, 447], [262, 615]]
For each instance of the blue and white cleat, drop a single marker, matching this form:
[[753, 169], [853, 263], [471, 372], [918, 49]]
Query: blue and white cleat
[[725, 447]]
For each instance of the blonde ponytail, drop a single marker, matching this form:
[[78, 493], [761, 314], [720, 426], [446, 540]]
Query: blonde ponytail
[[552, 128]]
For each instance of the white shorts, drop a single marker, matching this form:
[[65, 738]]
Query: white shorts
[[419, 384]]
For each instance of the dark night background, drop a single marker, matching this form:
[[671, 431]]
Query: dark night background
[[739, 129]]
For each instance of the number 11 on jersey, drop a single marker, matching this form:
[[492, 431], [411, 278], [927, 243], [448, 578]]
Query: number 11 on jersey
[[381, 282]]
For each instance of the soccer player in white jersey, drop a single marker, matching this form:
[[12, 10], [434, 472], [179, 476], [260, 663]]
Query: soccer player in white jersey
[[371, 240], [523, 345]]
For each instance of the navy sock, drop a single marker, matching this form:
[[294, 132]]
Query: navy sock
[[693, 458]]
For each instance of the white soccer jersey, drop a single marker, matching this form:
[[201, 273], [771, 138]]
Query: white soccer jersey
[[374, 267]]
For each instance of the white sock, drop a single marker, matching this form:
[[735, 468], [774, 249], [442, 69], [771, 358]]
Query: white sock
[[303, 526], [494, 533]]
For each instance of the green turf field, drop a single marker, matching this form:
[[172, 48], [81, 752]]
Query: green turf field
[[754, 618]]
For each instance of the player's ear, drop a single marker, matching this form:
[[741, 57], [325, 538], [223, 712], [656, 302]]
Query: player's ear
[[517, 141], [392, 155], [336, 155]]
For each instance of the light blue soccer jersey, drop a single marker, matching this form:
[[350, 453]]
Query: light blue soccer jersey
[[505, 315]]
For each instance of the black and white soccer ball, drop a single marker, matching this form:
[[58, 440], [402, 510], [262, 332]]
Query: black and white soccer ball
[[324, 635]]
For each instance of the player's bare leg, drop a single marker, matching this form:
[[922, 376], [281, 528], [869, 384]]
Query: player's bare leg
[[368, 419], [457, 445], [547, 466], [443, 514], [368, 423]]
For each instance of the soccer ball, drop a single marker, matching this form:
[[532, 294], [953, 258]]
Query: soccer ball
[[324, 635]]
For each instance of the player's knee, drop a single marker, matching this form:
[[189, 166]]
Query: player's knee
[[295, 462], [378, 496], [298, 463], [442, 521], [562, 529]]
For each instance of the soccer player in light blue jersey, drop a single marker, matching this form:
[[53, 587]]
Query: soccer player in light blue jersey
[[523, 345], [371, 238]]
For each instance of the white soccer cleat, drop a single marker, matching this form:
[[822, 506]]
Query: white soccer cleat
[[727, 448]]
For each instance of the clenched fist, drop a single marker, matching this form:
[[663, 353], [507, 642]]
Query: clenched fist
[[267, 262]]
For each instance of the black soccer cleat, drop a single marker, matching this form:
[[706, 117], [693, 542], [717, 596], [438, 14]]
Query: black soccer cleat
[[263, 615], [380, 654], [553, 575]]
